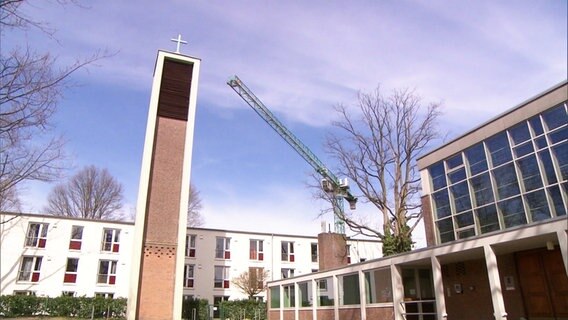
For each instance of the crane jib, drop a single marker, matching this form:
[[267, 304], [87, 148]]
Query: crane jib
[[330, 183]]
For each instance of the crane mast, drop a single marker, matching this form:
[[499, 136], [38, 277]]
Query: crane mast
[[330, 184]]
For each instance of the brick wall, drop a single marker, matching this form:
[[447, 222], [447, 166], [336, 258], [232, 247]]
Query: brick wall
[[474, 302]]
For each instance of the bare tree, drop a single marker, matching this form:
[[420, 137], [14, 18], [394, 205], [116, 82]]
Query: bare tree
[[92, 194], [378, 152], [194, 217], [252, 282], [31, 86], [9, 201]]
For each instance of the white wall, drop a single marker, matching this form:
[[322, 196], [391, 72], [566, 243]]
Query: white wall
[[55, 256], [57, 251]]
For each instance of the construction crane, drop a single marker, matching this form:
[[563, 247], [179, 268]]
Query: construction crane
[[337, 188]]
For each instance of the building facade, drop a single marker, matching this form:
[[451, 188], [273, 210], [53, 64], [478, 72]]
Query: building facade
[[494, 203], [50, 256]]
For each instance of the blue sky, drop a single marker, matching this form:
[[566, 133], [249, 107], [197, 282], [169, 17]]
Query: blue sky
[[479, 58]]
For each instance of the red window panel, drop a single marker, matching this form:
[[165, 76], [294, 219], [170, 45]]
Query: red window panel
[[111, 279], [35, 277], [252, 254], [291, 258], [75, 245], [348, 259], [115, 247], [227, 254], [192, 253], [226, 284], [41, 243], [70, 278], [261, 256], [189, 283]]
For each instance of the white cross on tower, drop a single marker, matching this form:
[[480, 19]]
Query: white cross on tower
[[179, 41]]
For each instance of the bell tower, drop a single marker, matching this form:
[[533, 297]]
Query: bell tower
[[161, 218]]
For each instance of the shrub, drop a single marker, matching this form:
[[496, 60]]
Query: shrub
[[202, 306], [80, 307], [243, 309]]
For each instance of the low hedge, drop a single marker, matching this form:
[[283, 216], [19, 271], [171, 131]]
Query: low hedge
[[79, 307], [201, 307], [243, 309]]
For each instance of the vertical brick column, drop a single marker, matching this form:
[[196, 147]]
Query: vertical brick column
[[332, 249], [157, 262]]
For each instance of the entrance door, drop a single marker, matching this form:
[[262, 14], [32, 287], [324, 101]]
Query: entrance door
[[419, 299], [544, 284]]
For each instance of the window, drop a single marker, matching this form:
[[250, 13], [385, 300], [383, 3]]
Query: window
[[68, 293], [499, 149], [482, 189], [529, 172], [30, 268], [314, 249], [223, 248], [513, 212], [506, 182], [274, 297], [555, 117], [465, 225], [538, 205], [71, 270], [190, 245], [289, 296], [305, 290], [520, 133], [256, 277], [460, 194], [287, 251], [24, 293], [349, 289], [442, 203], [559, 206], [256, 251], [36, 235], [456, 170], [536, 125], [221, 277], [325, 292], [105, 295], [488, 219], [548, 167], [76, 238], [476, 159], [438, 175], [348, 253], [111, 238], [454, 162], [378, 287], [107, 272], [287, 273], [560, 152], [188, 277], [523, 149], [446, 229]]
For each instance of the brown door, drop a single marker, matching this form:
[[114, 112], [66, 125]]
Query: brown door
[[544, 284]]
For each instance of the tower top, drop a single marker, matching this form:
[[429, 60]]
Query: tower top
[[179, 42]]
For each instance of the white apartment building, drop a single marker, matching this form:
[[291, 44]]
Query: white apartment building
[[49, 256]]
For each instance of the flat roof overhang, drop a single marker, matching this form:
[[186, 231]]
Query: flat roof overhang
[[512, 240]]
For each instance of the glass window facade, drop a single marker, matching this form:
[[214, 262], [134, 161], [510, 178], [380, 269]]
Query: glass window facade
[[515, 177]]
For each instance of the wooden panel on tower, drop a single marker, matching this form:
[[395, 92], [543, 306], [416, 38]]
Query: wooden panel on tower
[[175, 90]]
